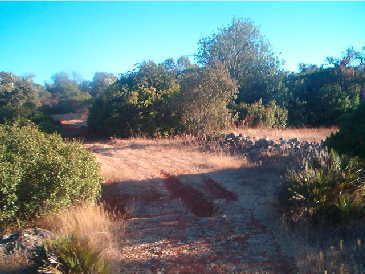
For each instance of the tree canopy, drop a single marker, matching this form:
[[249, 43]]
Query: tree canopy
[[248, 57]]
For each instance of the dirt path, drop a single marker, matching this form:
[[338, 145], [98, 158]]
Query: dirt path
[[191, 212]]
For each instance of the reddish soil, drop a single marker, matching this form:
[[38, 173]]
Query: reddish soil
[[218, 191], [191, 197]]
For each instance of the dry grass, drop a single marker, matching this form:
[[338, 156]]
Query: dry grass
[[91, 222], [143, 159], [305, 134], [320, 250]]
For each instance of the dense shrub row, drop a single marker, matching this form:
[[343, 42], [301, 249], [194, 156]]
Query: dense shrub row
[[140, 102], [154, 99], [266, 95], [41, 173]]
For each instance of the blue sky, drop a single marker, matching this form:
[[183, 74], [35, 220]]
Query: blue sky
[[42, 38]]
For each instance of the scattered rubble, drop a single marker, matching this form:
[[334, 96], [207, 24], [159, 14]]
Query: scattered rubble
[[256, 149], [25, 241]]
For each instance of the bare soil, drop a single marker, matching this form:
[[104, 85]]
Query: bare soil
[[191, 212]]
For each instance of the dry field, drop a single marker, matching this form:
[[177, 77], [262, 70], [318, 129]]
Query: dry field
[[190, 211]]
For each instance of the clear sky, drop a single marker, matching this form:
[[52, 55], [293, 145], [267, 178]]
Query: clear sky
[[42, 38]]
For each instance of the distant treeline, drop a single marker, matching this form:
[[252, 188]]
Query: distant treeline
[[237, 78]]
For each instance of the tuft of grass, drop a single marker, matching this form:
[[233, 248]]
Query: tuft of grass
[[73, 254], [86, 240], [345, 257], [90, 221]]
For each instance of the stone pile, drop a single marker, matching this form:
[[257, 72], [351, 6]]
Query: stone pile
[[257, 148]]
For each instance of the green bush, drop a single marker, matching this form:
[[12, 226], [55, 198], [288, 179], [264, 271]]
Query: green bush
[[325, 186], [350, 139], [204, 100], [45, 123], [72, 254], [41, 173], [257, 114], [139, 103]]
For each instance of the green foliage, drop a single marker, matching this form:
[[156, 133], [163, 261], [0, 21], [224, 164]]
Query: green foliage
[[204, 99], [66, 95], [350, 139], [257, 114], [41, 173], [20, 99], [321, 95], [74, 255], [138, 103], [247, 56], [99, 84], [325, 186], [44, 122]]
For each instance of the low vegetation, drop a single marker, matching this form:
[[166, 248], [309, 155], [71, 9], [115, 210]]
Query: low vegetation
[[326, 186], [73, 255], [84, 241], [40, 173]]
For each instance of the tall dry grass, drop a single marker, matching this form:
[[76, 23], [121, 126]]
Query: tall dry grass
[[304, 134], [89, 221], [93, 223]]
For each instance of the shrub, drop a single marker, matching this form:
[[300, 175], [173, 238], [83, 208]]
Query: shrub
[[325, 186], [72, 254], [257, 114], [41, 173], [204, 99], [137, 104], [350, 139]]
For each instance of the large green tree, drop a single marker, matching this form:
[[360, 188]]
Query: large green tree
[[99, 84], [247, 56]]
